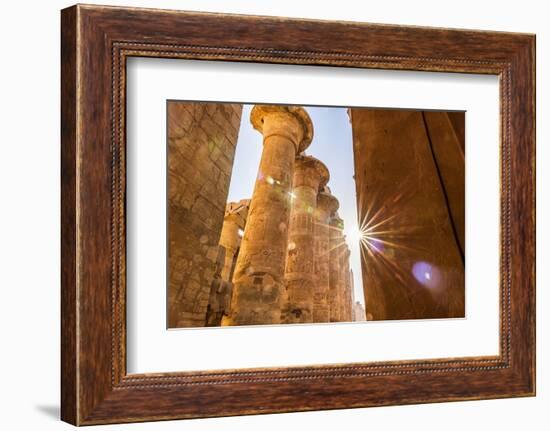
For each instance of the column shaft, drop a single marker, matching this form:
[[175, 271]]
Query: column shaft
[[336, 250], [229, 239], [321, 310], [326, 206], [345, 298], [232, 230], [259, 271], [300, 275]]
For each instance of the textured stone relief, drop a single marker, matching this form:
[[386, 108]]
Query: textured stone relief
[[201, 146]]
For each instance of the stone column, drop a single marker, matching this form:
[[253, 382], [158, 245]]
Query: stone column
[[351, 299], [229, 240], [336, 250], [309, 175], [259, 271], [232, 232], [327, 205], [345, 287]]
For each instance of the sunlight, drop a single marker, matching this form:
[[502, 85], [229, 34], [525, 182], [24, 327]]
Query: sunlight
[[355, 234]]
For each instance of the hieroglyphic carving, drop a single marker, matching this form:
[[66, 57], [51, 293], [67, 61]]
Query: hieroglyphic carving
[[337, 245], [232, 231], [327, 205], [309, 175], [258, 277]]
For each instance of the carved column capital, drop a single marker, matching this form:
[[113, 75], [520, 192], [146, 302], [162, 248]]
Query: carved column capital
[[337, 223], [292, 122], [310, 172], [327, 205]]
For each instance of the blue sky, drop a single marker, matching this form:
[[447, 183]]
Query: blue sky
[[332, 144]]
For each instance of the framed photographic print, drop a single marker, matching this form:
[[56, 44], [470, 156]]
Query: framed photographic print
[[270, 215]]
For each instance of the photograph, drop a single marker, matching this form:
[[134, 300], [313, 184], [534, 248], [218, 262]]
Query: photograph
[[286, 214]]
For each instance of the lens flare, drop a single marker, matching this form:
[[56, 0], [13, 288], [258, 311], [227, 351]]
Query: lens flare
[[426, 274]]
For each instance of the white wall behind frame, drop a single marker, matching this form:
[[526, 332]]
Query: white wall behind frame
[[151, 348], [29, 220]]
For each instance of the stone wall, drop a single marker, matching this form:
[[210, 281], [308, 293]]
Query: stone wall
[[201, 147], [409, 172]]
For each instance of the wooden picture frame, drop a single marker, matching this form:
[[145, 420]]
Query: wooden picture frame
[[95, 43]]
